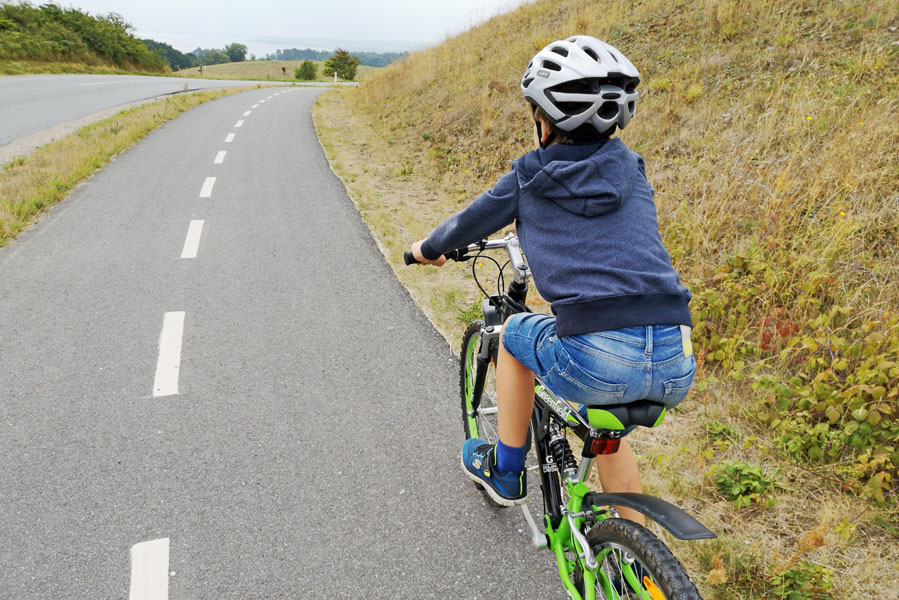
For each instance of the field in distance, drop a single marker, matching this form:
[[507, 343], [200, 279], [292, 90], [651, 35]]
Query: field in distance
[[265, 69]]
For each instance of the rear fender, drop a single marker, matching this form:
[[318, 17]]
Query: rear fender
[[679, 523]]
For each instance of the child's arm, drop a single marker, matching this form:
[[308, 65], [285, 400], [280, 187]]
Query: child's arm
[[492, 211]]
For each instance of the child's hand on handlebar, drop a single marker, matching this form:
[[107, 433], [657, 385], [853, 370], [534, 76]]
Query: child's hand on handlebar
[[416, 252]]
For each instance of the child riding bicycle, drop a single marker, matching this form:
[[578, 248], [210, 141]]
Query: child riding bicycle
[[586, 218]]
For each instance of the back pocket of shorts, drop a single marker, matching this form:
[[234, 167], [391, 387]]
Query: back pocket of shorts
[[590, 389], [676, 389]]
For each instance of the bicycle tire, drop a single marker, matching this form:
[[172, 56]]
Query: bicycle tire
[[612, 540], [482, 424]]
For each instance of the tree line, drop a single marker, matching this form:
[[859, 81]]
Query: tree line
[[368, 59]]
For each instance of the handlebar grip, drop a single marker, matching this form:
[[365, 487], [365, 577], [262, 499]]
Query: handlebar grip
[[409, 259]]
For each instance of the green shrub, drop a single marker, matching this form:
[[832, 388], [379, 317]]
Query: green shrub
[[743, 483], [802, 581], [307, 71]]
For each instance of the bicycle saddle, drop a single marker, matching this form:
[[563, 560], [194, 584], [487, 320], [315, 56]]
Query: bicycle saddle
[[621, 416]]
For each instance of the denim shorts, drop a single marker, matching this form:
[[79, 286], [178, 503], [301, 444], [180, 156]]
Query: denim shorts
[[608, 367]]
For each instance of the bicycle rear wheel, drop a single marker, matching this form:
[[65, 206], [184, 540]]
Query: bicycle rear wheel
[[478, 411], [634, 563]]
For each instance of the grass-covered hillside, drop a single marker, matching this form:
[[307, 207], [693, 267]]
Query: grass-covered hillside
[[770, 134], [54, 39]]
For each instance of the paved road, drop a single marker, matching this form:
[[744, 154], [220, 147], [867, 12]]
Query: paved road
[[32, 103], [312, 448]]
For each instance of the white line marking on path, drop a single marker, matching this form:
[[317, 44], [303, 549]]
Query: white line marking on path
[[219, 158], [229, 138], [169, 364], [268, 97], [150, 570], [261, 101], [192, 241], [247, 114], [206, 191], [239, 123], [255, 106]]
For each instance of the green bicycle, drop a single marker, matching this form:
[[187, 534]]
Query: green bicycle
[[598, 555]]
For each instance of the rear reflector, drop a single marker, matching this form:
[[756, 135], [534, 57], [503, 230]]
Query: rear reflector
[[604, 446]]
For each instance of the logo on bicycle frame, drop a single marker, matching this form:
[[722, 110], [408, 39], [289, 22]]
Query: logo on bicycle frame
[[559, 407]]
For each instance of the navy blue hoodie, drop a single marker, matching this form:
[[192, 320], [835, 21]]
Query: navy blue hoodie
[[586, 220]]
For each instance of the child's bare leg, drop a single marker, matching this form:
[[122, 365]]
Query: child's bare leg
[[619, 473], [514, 397]]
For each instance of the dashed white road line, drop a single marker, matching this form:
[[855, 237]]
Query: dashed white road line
[[229, 138], [261, 101], [255, 106], [268, 97], [247, 114], [150, 570], [168, 365], [206, 190], [220, 157], [239, 123], [192, 241]]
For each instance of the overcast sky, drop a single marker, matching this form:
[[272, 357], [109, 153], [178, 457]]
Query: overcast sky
[[266, 25]]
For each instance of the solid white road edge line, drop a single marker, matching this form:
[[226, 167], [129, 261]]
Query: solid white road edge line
[[220, 157], [150, 570], [169, 364], [192, 241], [206, 190], [229, 138]]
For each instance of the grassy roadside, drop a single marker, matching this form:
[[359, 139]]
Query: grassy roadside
[[66, 68], [29, 186], [266, 70]]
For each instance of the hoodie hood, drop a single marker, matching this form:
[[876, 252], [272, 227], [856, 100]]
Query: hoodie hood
[[585, 179]]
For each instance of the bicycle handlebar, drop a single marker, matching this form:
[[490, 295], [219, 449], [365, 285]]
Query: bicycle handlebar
[[459, 254], [467, 252]]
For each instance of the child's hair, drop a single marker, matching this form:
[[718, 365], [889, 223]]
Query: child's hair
[[584, 133]]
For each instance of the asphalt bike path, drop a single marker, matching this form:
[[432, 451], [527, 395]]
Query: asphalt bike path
[[31, 103], [304, 441]]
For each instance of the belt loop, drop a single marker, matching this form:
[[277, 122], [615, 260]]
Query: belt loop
[[648, 350]]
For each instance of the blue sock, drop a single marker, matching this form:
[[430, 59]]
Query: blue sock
[[509, 458]]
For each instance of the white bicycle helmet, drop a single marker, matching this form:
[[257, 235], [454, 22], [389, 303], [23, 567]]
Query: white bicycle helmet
[[582, 81]]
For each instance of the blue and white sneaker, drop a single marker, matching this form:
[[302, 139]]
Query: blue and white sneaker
[[478, 462]]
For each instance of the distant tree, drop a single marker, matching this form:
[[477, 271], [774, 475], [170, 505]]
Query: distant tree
[[177, 60], [236, 52], [308, 71], [343, 63], [210, 56]]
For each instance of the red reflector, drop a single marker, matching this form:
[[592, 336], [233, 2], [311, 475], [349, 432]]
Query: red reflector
[[604, 446]]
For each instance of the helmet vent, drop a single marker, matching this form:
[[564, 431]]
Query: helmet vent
[[608, 110], [527, 82], [548, 64], [611, 96], [560, 51], [592, 54]]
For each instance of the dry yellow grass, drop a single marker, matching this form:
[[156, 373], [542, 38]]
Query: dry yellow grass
[[769, 134]]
